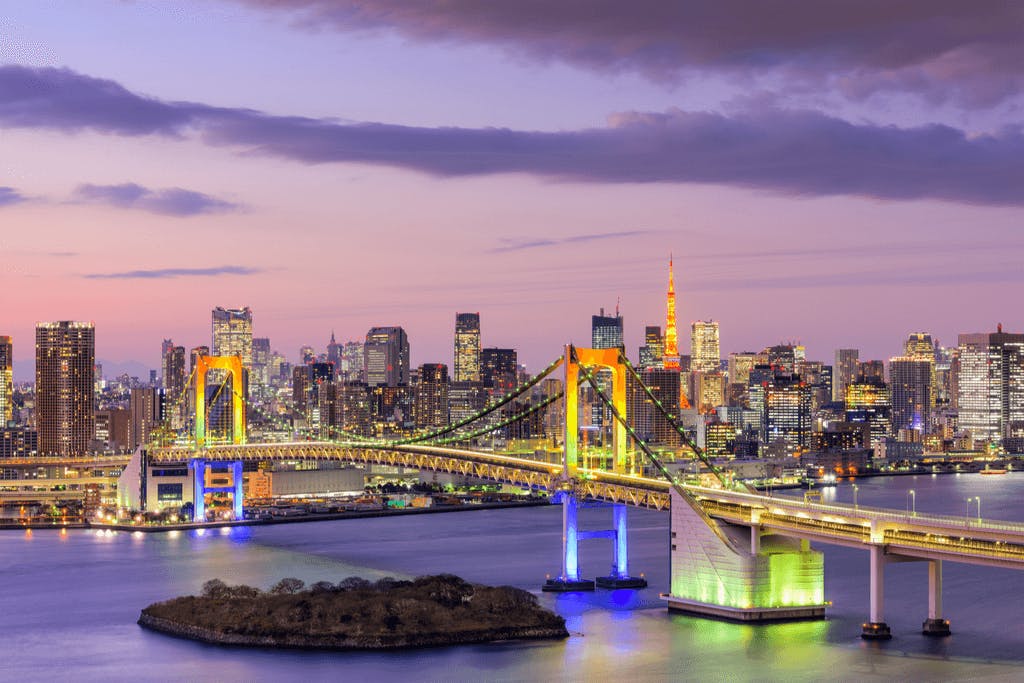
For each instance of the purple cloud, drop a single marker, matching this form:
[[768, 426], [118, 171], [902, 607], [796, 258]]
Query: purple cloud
[[9, 196], [163, 273], [168, 202], [968, 51], [797, 153], [509, 244]]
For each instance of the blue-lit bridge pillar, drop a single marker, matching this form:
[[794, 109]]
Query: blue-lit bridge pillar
[[200, 489], [570, 579]]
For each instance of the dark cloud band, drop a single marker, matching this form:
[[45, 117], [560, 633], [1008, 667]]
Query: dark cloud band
[[168, 202], [163, 273], [798, 153]]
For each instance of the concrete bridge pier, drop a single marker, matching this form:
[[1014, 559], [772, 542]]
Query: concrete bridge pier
[[200, 489], [876, 628], [619, 576], [935, 625], [569, 580]]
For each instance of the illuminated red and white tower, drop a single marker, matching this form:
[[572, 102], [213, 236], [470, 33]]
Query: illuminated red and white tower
[[671, 357]]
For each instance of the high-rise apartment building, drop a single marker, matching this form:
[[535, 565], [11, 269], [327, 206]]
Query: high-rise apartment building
[[145, 409], [386, 357], [498, 369], [352, 362], [868, 400], [910, 384], [467, 347], [6, 381], [653, 350], [844, 372], [606, 330], [65, 385], [787, 412], [430, 405], [232, 333], [705, 354], [175, 375], [261, 359], [991, 383]]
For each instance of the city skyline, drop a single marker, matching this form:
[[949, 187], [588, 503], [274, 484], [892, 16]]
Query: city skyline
[[268, 182]]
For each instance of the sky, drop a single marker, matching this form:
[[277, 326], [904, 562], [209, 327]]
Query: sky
[[837, 174]]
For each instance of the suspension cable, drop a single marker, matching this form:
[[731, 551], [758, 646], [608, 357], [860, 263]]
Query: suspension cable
[[504, 423]]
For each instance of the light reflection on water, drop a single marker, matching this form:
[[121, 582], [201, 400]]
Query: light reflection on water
[[84, 590]]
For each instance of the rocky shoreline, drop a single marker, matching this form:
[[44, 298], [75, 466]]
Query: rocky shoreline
[[308, 642]]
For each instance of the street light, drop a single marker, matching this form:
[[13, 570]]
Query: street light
[[912, 502], [855, 488], [978, 499]]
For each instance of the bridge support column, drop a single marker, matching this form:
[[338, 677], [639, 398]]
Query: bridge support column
[[569, 580], [198, 466], [876, 628], [619, 577], [935, 625], [237, 496]]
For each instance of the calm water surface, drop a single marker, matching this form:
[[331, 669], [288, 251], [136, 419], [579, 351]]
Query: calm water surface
[[68, 604]]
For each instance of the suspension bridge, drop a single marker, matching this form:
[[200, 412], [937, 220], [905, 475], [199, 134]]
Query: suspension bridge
[[735, 553]]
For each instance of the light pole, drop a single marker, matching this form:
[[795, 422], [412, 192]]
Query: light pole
[[978, 499], [912, 502], [967, 514], [855, 488]]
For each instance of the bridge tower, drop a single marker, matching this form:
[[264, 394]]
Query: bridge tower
[[199, 466], [569, 579]]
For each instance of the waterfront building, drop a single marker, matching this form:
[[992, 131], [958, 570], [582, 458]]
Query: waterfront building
[[467, 347], [386, 357], [606, 330], [910, 385], [787, 412], [65, 386], [6, 381], [991, 383], [705, 352], [868, 401], [844, 372]]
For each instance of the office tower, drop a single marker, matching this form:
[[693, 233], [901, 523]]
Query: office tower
[[467, 347], [65, 385], [740, 365], [705, 355], [175, 377], [708, 391], [868, 400], [307, 354], [910, 387], [606, 331], [653, 350], [844, 372], [6, 381], [991, 383], [344, 407], [431, 403], [919, 346], [871, 369], [232, 333], [145, 409], [334, 351], [352, 362], [306, 382], [261, 363], [113, 429], [671, 360], [787, 411], [783, 357], [498, 369], [650, 424], [386, 357]]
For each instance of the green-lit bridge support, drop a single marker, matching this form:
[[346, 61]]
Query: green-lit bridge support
[[733, 572]]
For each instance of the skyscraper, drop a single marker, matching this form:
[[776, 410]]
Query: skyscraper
[[467, 347], [671, 335], [991, 383], [844, 372], [6, 381], [65, 385], [498, 369], [174, 377], [910, 384], [232, 333], [431, 402], [146, 407], [787, 411], [386, 357], [653, 350], [606, 330], [705, 354], [334, 352]]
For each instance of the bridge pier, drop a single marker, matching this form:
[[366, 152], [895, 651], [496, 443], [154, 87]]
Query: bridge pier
[[876, 628], [935, 625], [619, 576], [200, 489], [569, 580]]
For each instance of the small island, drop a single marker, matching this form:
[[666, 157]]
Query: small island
[[356, 614]]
